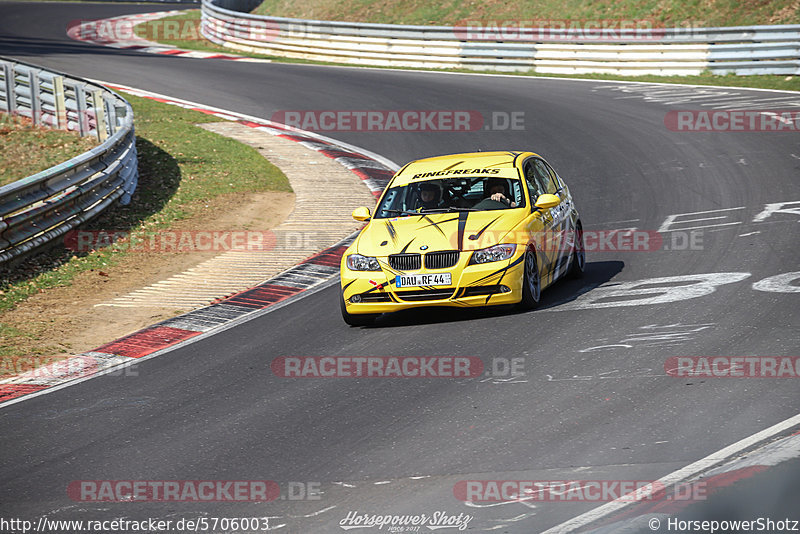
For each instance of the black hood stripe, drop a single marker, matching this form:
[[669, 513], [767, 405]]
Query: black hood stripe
[[462, 225], [502, 272], [480, 232], [435, 224], [407, 245], [392, 231]]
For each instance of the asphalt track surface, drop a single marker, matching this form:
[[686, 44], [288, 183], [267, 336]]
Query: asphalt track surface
[[213, 410]]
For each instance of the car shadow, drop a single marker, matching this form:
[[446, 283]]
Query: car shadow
[[564, 291]]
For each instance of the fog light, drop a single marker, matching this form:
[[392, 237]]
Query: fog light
[[355, 299], [504, 289]]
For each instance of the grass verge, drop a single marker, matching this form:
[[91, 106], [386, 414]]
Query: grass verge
[[452, 12], [181, 168]]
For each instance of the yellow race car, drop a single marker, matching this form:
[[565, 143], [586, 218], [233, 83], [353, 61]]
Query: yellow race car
[[475, 229]]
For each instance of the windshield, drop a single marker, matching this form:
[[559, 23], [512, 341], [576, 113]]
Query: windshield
[[451, 194]]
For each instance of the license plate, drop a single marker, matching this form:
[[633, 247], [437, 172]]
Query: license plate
[[441, 279]]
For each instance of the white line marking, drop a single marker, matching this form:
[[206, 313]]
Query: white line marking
[[313, 514], [674, 477]]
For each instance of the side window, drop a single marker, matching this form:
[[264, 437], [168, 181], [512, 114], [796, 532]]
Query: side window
[[544, 176], [535, 185], [556, 178]]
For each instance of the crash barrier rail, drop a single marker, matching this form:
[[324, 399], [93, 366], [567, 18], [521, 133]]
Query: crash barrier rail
[[743, 50], [43, 207]]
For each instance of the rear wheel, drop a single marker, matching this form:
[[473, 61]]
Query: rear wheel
[[354, 319], [531, 283], [578, 254]]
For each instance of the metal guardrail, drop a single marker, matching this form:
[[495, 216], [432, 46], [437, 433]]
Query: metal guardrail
[[741, 50], [42, 207]]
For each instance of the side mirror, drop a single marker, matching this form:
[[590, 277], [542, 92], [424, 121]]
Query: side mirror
[[361, 214], [547, 201]]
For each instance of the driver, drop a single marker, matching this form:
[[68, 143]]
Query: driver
[[429, 196], [497, 191]]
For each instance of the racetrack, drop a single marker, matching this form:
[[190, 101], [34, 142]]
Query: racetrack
[[213, 410]]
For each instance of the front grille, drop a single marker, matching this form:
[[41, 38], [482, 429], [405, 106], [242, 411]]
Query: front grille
[[441, 260], [405, 262], [425, 294]]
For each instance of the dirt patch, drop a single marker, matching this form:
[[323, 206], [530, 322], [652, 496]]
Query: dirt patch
[[63, 321]]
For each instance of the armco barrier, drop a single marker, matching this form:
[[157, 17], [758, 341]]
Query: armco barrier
[[42, 207], [669, 51]]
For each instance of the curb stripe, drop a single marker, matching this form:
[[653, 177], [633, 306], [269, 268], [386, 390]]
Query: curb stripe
[[146, 341], [12, 391], [83, 33]]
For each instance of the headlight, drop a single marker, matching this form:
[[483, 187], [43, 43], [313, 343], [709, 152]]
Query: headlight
[[495, 253], [357, 262]]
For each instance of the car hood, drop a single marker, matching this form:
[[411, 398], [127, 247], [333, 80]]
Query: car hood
[[465, 230]]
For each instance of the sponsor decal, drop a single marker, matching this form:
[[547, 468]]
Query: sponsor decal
[[455, 172]]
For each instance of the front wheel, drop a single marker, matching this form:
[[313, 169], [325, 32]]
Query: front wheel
[[578, 254], [531, 283], [354, 319]]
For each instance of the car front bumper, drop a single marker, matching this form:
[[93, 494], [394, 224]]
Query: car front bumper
[[487, 284]]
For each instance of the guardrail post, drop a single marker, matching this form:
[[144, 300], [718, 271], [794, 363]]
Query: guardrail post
[[111, 117], [99, 114], [36, 103], [80, 100], [11, 96], [61, 106]]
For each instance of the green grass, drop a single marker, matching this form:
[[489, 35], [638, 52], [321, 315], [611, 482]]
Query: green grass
[[452, 12], [26, 149], [180, 166]]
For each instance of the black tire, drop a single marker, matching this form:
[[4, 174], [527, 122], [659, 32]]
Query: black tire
[[578, 267], [531, 283], [361, 319]]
